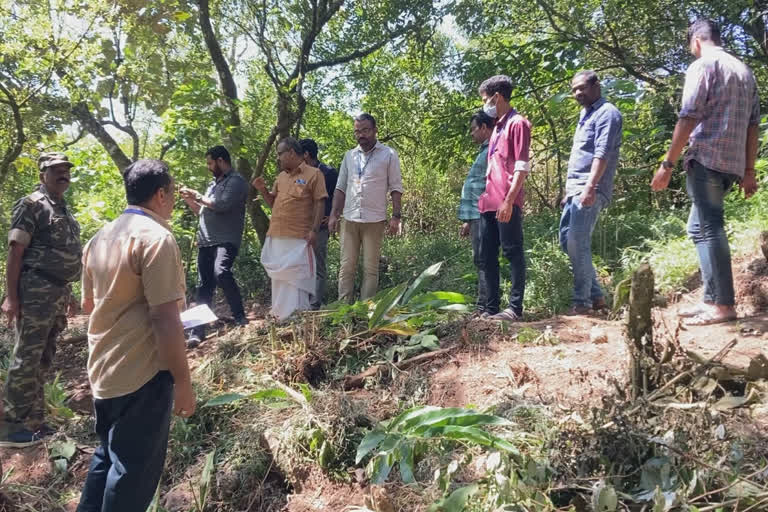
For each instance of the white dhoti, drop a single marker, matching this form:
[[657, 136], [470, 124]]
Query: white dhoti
[[290, 263]]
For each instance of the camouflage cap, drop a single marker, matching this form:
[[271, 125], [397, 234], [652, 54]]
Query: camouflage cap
[[47, 160]]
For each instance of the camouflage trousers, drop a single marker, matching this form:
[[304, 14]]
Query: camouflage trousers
[[43, 318]]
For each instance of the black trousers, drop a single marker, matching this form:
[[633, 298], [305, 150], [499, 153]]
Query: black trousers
[[214, 268], [133, 430], [508, 236]]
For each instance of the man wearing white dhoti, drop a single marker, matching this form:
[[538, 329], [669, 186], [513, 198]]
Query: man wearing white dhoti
[[297, 200]]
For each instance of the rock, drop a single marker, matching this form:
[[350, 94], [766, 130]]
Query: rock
[[598, 335]]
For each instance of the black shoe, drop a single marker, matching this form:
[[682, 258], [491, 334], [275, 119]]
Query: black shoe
[[193, 341], [45, 430], [241, 321], [20, 439], [507, 315]]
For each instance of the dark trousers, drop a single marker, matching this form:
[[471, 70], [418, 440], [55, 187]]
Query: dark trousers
[[508, 236], [476, 238], [126, 467], [214, 267], [321, 267]]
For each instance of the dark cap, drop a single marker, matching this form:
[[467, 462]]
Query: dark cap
[[47, 160]]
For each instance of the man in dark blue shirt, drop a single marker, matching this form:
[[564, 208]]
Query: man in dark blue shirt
[[222, 217], [321, 242], [589, 186]]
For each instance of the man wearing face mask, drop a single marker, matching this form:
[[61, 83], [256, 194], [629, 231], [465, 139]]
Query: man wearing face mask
[[222, 217], [501, 205], [589, 186], [297, 200], [44, 254], [719, 119]]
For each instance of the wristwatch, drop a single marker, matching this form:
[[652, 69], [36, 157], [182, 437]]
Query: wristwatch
[[396, 215], [667, 164]]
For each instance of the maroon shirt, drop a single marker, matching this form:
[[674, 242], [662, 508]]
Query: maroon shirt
[[508, 151]]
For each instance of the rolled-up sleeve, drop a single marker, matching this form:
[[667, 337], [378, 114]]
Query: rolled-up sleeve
[[695, 91], [394, 176], [607, 133], [232, 194], [23, 222], [341, 183], [520, 146]]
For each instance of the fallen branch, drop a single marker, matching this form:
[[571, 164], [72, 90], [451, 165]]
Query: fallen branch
[[357, 381]]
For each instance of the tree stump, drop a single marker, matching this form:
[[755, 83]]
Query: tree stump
[[764, 243], [639, 331]]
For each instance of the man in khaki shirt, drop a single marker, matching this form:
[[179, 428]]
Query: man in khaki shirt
[[297, 200], [133, 286]]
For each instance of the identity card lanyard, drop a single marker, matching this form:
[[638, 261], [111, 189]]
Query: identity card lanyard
[[360, 167], [136, 212]]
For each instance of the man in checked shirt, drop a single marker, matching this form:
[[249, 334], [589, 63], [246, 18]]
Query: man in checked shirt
[[719, 118]]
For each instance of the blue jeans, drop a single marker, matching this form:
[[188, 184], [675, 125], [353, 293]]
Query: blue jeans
[[126, 467], [508, 236], [706, 227], [576, 226]]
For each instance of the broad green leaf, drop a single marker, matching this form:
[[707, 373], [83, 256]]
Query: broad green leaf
[[400, 329], [305, 391], [422, 281], [369, 442], [408, 414], [386, 304], [457, 500], [451, 297], [269, 393], [379, 468], [452, 416], [406, 462], [61, 450], [227, 398]]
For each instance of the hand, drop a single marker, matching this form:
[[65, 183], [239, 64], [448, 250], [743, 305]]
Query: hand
[[186, 192], [588, 196], [12, 310], [748, 184], [311, 237], [324, 222], [661, 179], [464, 231], [259, 184], [333, 223], [72, 309], [394, 226], [183, 400], [504, 213]]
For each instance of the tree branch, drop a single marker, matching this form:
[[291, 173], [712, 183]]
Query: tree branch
[[93, 126], [14, 150]]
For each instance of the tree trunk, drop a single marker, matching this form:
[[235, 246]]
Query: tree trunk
[[764, 243], [259, 219], [92, 125], [639, 331], [16, 147]]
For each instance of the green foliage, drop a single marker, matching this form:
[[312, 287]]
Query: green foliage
[[402, 438], [56, 400]]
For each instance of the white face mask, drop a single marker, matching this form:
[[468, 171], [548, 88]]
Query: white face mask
[[490, 109]]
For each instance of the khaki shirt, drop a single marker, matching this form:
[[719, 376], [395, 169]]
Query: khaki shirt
[[132, 263], [368, 179], [50, 233], [293, 208]]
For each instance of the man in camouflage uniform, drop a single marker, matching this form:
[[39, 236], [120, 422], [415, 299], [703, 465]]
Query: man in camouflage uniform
[[44, 257]]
